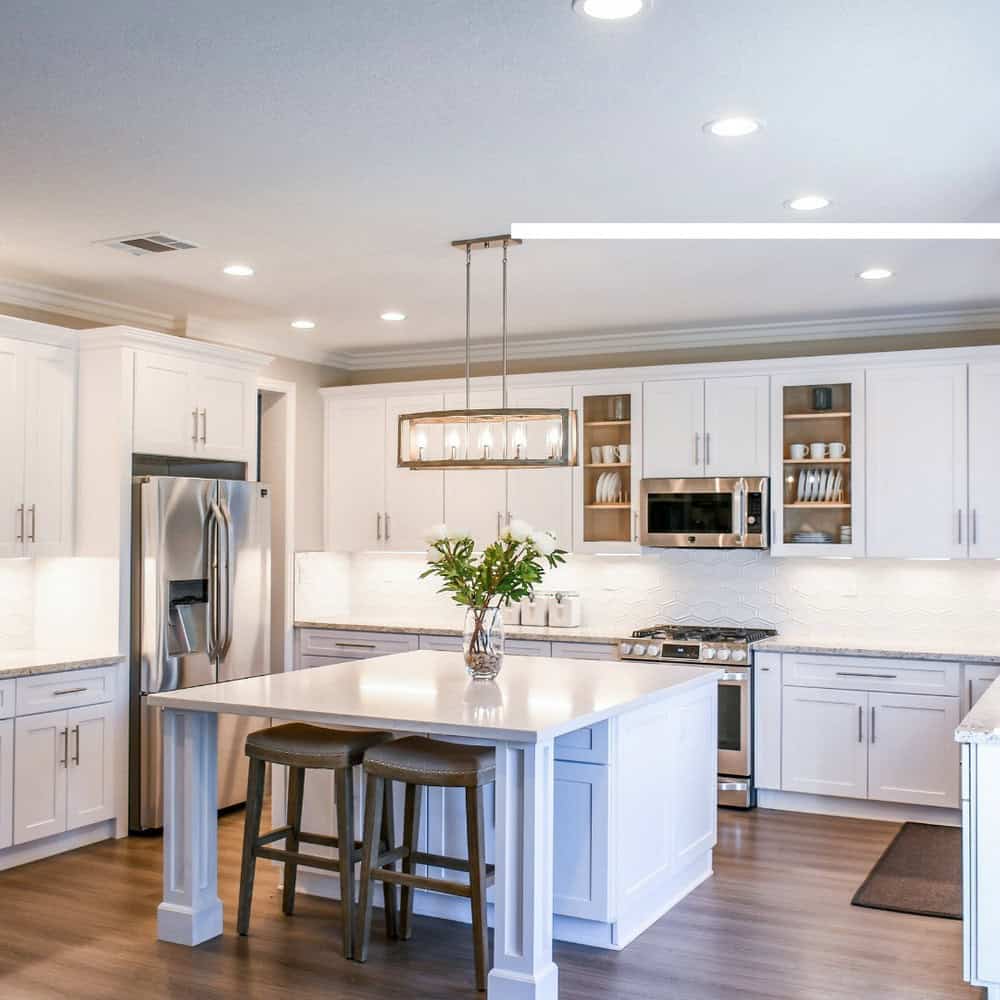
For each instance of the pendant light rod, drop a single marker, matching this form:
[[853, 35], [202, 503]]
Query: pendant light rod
[[503, 332], [468, 327]]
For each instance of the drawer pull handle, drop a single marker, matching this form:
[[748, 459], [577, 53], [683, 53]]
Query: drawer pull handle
[[70, 691], [357, 645], [884, 677]]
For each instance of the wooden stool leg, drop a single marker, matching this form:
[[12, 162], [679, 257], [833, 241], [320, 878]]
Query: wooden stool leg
[[374, 794], [344, 780], [296, 781], [477, 880], [411, 835], [251, 831], [389, 837]]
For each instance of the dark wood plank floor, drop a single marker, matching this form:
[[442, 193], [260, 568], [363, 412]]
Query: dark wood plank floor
[[774, 923]]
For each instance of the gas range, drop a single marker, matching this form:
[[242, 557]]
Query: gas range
[[706, 644]]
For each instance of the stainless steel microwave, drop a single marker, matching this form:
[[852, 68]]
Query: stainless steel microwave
[[717, 513]]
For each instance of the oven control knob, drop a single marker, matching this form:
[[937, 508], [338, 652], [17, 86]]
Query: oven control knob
[[723, 654], [639, 649], [739, 656], [708, 654], [624, 648]]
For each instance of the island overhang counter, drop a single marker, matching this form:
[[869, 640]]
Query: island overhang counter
[[659, 724]]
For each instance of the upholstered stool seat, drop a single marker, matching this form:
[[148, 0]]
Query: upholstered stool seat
[[298, 746], [418, 761]]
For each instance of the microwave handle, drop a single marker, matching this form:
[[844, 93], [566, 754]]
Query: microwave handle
[[740, 498]]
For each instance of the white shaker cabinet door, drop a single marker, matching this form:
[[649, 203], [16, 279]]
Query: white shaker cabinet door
[[737, 426], [767, 720], [824, 742], [414, 498], [979, 678], [50, 419], [913, 756], [984, 469], [673, 417], [90, 768], [40, 760], [165, 407], [475, 500], [12, 373], [6, 783], [355, 474], [226, 399], [542, 497], [917, 462]]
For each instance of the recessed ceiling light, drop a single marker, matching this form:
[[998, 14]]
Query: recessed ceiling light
[[238, 270], [392, 316], [303, 324], [733, 128], [808, 203], [875, 274], [610, 10]]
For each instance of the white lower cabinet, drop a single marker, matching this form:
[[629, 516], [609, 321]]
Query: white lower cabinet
[[978, 678], [824, 747], [6, 783], [63, 771], [767, 720]]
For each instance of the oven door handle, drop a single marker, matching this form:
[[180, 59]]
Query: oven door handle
[[734, 678], [734, 786]]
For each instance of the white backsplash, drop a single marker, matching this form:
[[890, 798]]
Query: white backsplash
[[16, 603], [913, 597]]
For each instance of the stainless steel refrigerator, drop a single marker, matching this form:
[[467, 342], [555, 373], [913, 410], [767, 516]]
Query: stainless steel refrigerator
[[201, 571]]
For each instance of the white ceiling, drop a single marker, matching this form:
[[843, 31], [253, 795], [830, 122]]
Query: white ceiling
[[338, 148]]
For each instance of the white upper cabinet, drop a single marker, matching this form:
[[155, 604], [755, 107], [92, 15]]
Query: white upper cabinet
[[917, 462], [984, 469], [706, 427], [542, 497], [355, 474], [414, 498], [37, 422], [188, 408]]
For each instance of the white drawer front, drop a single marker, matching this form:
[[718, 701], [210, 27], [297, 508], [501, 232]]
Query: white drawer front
[[526, 647], [344, 642], [588, 745], [585, 650], [6, 699], [869, 673], [443, 643], [49, 692]]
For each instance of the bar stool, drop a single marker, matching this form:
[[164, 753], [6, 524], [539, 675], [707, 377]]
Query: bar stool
[[418, 761], [298, 747]]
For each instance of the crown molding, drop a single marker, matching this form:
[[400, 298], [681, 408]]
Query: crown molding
[[681, 337], [125, 336], [86, 307]]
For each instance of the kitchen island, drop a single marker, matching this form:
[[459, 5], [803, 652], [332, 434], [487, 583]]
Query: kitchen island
[[660, 725]]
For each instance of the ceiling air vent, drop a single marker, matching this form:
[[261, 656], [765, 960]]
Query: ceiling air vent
[[148, 243]]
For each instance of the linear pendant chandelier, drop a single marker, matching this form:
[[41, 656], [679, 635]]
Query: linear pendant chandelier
[[504, 437]]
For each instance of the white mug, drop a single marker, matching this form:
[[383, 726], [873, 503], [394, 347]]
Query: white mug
[[610, 453], [817, 450], [624, 453], [595, 454], [837, 449], [798, 450]]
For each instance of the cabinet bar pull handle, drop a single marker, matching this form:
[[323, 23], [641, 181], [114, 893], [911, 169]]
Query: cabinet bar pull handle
[[70, 691], [378, 527], [388, 526], [697, 441], [76, 756], [708, 448], [194, 436], [65, 738], [861, 724], [20, 514], [960, 526], [357, 645], [873, 723], [884, 677], [204, 426], [34, 517], [974, 531]]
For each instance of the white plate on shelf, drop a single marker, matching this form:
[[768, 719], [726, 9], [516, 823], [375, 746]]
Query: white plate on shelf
[[800, 495], [838, 487], [812, 486], [830, 485], [602, 485], [615, 492], [824, 485]]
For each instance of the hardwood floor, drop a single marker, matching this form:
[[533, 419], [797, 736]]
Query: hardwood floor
[[774, 923]]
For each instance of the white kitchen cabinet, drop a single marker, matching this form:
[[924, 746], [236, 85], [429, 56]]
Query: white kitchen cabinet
[[355, 474], [542, 497], [6, 783], [706, 427], [912, 756], [37, 420], [824, 748], [916, 445], [978, 678], [40, 776], [767, 720], [189, 408], [90, 787], [984, 469], [585, 650]]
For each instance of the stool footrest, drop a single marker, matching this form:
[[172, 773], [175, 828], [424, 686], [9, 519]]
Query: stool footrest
[[441, 861], [297, 858], [421, 882]]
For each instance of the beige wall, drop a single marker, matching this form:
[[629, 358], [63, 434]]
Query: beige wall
[[747, 352]]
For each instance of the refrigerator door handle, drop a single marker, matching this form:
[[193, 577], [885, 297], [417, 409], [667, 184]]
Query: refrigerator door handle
[[227, 584], [214, 518]]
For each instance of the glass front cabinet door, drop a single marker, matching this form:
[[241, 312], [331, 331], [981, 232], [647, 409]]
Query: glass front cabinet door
[[818, 463]]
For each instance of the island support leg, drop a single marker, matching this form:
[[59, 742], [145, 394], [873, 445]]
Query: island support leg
[[191, 911], [522, 946]]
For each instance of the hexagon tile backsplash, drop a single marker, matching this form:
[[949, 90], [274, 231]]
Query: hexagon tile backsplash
[[703, 587]]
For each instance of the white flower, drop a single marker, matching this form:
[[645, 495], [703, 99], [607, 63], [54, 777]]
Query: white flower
[[519, 531], [437, 533], [544, 541]]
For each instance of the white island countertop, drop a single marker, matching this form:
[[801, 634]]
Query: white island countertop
[[533, 699]]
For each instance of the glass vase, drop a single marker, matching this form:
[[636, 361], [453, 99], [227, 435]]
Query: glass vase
[[482, 642]]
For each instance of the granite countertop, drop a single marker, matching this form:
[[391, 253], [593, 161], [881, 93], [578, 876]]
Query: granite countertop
[[25, 662], [982, 724], [967, 648], [580, 633]]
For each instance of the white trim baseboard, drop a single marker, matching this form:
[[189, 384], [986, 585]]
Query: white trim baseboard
[[831, 805]]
